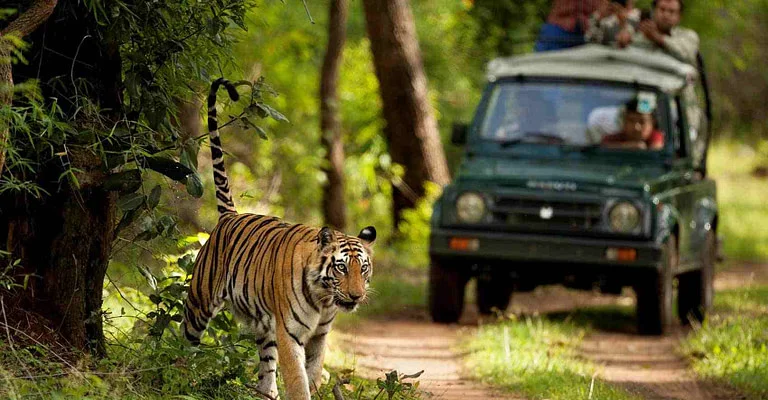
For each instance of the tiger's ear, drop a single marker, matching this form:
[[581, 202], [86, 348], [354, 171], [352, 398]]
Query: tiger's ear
[[325, 238], [368, 235]]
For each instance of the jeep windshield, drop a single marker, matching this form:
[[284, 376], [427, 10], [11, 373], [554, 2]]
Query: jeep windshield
[[591, 118]]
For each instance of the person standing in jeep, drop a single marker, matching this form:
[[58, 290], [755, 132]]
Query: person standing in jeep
[[664, 32]]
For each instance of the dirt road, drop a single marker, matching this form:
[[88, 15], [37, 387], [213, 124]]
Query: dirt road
[[414, 344], [647, 366]]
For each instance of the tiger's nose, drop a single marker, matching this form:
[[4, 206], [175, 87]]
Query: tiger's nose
[[355, 297]]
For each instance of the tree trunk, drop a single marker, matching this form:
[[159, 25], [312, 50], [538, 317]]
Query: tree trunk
[[411, 131], [334, 205], [64, 239]]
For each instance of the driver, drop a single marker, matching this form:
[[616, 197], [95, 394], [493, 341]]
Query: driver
[[638, 130]]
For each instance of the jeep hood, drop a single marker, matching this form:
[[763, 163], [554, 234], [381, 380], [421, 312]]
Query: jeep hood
[[562, 174]]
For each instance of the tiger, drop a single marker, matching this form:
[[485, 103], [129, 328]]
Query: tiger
[[284, 282]]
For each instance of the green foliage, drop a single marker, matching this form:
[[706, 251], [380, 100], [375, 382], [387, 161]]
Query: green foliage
[[410, 247], [8, 280], [733, 46], [731, 345], [538, 358], [395, 387], [508, 27], [741, 200], [165, 60]]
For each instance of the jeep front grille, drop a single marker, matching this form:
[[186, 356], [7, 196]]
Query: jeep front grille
[[547, 216]]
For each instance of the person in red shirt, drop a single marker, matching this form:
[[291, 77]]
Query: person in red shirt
[[638, 131], [566, 24]]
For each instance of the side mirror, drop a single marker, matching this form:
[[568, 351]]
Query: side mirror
[[459, 134]]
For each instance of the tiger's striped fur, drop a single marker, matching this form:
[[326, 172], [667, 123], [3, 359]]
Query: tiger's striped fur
[[284, 281]]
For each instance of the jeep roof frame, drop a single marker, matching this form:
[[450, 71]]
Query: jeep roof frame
[[596, 62]]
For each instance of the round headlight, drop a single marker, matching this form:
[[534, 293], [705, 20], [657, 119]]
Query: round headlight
[[624, 217], [470, 207]]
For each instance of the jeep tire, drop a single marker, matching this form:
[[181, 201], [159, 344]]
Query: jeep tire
[[695, 288], [446, 290], [655, 294], [492, 293]]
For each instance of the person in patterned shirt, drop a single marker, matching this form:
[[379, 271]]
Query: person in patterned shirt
[[614, 23]]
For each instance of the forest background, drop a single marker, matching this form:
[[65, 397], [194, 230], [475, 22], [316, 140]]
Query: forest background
[[279, 47]]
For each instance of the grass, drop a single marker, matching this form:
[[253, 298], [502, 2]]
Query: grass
[[731, 345], [537, 357], [741, 199]]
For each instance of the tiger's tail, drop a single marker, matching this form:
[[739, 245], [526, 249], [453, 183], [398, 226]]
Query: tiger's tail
[[224, 202]]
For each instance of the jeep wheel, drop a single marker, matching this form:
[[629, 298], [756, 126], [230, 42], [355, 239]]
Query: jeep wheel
[[446, 291], [492, 292], [654, 293], [695, 288]]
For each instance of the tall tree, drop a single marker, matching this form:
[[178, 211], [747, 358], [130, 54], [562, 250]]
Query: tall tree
[[411, 131], [109, 73], [73, 224], [334, 205]]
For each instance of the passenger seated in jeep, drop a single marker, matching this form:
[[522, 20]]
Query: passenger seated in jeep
[[638, 130]]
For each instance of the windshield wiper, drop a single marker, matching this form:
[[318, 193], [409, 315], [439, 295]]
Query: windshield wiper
[[527, 135]]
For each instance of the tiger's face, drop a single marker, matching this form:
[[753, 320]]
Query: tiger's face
[[346, 267]]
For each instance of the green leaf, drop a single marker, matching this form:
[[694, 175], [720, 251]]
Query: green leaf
[[161, 323], [168, 167], [130, 201], [276, 115], [166, 224], [146, 235], [154, 197], [114, 161], [155, 298], [189, 155], [262, 133], [127, 219], [194, 185], [187, 263], [124, 182]]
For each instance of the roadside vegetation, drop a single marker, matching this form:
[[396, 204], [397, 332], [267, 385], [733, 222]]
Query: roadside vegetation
[[741, 195], [150, 359], [731, 344], [537, 357]]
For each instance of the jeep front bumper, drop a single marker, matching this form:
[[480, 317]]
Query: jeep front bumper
[[531, 249]]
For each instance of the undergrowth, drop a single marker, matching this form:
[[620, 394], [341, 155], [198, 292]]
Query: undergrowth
[[148, 358], [731, 344]]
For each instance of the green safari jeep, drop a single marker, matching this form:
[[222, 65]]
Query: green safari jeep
[[554, 189]]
